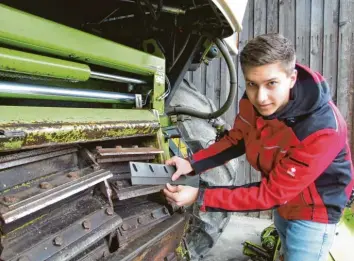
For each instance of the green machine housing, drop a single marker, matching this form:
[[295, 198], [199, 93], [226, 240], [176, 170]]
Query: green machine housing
[[83, 91]]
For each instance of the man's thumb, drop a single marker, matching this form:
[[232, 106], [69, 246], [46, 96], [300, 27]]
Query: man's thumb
[[176, 175]]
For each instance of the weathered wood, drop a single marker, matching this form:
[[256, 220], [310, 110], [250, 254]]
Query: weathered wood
[[316, 44], [345, 81], [287, 19], [272, 16], [211, 74], [260, 17], [303, 27], [197, 78], [330, 44]]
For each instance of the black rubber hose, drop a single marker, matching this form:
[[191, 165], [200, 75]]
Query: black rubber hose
[[233, 89]]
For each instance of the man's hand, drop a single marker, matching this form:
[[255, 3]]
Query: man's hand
[[181, 195], [183, 167]]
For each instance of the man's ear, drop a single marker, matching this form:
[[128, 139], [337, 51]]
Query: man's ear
[[293, 78]]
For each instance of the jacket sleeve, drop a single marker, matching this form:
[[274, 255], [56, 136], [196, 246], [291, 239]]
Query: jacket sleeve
[[297, 170], [229, 147]]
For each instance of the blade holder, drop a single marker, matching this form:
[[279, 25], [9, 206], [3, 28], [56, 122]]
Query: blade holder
[[158, 174]]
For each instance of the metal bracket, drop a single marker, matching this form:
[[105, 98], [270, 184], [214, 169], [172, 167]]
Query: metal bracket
[[158, 174]]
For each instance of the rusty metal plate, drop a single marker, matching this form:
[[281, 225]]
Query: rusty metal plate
[[135, 191], [154, 174], [159, 243], [69, 242], [119, 154], [25, 206]]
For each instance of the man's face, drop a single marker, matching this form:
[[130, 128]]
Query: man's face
[[268, 87]]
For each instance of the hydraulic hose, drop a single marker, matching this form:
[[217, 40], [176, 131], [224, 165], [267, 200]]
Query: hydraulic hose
[[233, 89]]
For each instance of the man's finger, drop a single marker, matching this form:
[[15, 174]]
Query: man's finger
[[176, 175], [170, 162], [170, 194], [172, 188]]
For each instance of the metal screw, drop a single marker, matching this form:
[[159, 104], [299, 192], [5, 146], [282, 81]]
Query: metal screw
[[10, 199], [73, 175], [86, 224], [45, 185], [109, 211], [58, 241]]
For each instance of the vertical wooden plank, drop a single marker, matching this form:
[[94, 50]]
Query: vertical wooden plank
[[330, 44], [260, 17], [303, 25], [210, 82], [225, 87], [197, 78], [316, 44], [272, 16], [287, 19], [345, 72], [245, 35]]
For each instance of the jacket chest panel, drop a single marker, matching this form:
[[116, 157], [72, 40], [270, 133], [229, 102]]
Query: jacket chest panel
[[267, 143]]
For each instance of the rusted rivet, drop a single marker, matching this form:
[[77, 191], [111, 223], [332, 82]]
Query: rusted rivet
[[153, 215], [10, 199], [165, 210], [86, 224], [73, 175], [58, 241], [125, 227], [140, 220], [45, 185], [109, 211]]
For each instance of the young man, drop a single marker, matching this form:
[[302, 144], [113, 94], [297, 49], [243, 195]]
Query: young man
[[295, 136]]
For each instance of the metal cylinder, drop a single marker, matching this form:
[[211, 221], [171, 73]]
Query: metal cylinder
[[38, 65], [115, 78], [32, 64], [16, 90]]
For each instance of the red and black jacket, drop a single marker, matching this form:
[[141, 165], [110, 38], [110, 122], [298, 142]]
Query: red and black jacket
[[302, 153]]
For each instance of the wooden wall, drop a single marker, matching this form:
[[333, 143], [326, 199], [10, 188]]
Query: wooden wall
[[323, 33]]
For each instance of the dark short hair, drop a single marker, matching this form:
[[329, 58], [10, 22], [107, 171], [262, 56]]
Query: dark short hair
[[267, 49]]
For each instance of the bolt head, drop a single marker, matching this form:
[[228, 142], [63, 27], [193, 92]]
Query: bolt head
[[125, 227], [109, 211], [10, 199], [73, 175], [86, 224], [58, 241], [45, 185]]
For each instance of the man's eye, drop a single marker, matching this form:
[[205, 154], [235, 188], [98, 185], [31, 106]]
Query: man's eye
[[272, 83], [251, 84]]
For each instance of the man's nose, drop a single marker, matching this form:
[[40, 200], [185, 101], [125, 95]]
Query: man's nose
[[262, 95]]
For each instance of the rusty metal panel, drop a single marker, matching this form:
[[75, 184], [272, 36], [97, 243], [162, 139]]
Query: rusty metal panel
[[159, 243]]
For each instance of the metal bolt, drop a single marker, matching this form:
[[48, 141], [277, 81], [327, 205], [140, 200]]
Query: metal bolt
[[135, 146], [10, 199], [58, 241], [109, 211], [45, 185], [23, 258], [125, 227], [73, 175], [96, 167], [153, 215], [86, 224], [140, 220]]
